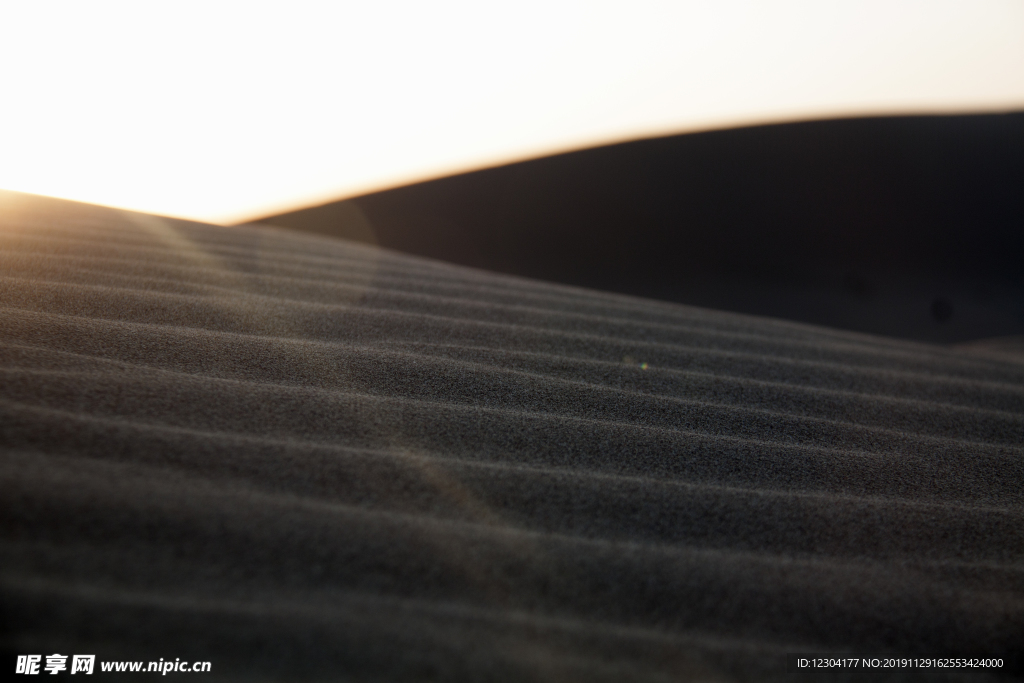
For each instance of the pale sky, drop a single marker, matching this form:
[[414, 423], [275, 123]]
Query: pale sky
[[226, 111]]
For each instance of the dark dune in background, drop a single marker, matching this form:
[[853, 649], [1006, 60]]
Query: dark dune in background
[[301, 458], [906, 226]]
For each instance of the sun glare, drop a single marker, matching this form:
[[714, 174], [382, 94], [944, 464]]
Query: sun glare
[[227, 111]]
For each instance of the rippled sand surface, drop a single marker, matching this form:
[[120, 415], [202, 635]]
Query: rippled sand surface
[[302, 458]]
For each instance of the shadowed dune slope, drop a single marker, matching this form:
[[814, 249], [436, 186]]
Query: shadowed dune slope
[[299, 458], [903, 226]]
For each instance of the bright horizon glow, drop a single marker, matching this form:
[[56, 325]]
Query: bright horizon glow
[[228, 111]]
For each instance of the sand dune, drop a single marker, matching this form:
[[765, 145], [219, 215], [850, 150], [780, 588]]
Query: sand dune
[[304, 458], [903, 226]]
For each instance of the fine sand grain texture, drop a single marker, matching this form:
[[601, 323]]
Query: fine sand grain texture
[[301, 458]]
